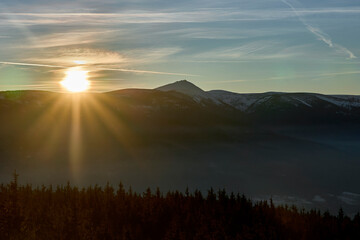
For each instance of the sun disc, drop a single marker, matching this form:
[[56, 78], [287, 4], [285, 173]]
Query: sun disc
[[76, 80]]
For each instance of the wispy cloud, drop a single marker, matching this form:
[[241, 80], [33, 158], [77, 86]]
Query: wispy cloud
[[143, 17], [257, 50], [97, 56], [99, 68], [199, 15], [228, 33], [31, 64], [62, 39], [309, 76], [68, 55], [146, 55], [142, 71], [320, 34]]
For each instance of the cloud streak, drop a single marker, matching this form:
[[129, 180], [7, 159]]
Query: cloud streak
[[167, 15], [143, 71], [151, 17], [96, 68], [320, 34], [69, 38], [31, 64], [253, 51]]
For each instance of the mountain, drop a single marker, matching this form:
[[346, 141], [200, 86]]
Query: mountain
[[189, 89], [278, 107], [296, 147], [245, 102], [182, 102]]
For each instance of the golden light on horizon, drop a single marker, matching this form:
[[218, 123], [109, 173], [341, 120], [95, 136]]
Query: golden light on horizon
[[76, 80]]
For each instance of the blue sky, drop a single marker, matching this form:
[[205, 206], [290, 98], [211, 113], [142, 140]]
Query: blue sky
[[241, 46]]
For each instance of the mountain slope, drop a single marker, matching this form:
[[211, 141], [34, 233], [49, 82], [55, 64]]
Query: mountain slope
[[183, 103], [189, 89], [245, 102]]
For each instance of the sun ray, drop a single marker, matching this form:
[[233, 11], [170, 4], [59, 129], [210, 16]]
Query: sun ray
[[119, 129], [76, 141], [54, 114]]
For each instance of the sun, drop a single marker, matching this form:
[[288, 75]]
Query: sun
[[76, 80]]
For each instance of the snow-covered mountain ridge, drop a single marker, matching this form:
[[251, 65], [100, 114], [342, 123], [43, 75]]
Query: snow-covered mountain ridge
[[189, 89], [183, 102], [247, 102]]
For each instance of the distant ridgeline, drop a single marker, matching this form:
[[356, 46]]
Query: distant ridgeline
[[67, 212], [183, 102], [276, 107]]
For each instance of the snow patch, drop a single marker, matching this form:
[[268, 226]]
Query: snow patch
[[341, 102], [189, 89], [350, 198], [318, 198], [303, 102], [237, 100]]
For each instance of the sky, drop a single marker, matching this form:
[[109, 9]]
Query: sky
[[237, 45]]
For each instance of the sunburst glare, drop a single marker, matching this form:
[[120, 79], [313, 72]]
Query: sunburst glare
[[76, 80]]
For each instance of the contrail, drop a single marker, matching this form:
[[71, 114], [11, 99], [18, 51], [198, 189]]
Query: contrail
[[31, 64], [144, 71], [99, 69], [320, 34]]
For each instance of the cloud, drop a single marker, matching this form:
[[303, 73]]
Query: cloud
[[142, 71], [96, 56], [329, 11], [187, 15], [61, 39], [228, 33], [143, 17], [150, 55], [326, 39], [345, 50], [31, 64], [67, 56], [256, 50], [99, 68], [339, 73], [320, 34]]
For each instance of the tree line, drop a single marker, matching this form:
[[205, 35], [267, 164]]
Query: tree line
[[68, 212]]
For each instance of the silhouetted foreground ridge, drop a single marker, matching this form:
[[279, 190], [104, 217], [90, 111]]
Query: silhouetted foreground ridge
[[67, 212]]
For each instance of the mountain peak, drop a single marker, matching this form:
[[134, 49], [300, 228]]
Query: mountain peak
[[185, 87], [182, 86]]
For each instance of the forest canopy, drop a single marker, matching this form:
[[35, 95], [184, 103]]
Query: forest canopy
[[68, 212]]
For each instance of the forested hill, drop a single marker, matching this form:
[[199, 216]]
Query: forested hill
[[67, 212]]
